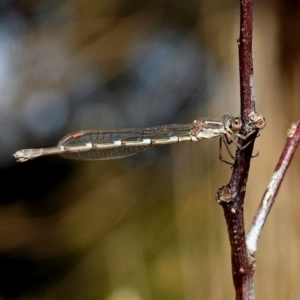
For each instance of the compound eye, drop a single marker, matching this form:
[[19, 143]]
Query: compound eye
[[236, 124]]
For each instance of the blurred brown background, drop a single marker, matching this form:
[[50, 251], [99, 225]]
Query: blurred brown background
[[145, 227]]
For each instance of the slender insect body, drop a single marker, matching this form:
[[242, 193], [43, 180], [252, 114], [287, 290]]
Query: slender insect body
[[111, 144]]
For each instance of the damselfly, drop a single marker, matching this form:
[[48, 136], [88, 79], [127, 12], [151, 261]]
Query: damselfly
[[112, 144]]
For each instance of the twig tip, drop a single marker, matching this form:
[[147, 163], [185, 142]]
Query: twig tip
[[291, 131]]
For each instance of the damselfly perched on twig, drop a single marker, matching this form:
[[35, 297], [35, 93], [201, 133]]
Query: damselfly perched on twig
[[112, 144]]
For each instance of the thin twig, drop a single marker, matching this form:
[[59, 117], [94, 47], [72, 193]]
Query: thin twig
[[231, 196], [273, 187]]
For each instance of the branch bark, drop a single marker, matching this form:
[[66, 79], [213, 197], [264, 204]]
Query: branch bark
[[234, 191], [231, 196], [270, 194]]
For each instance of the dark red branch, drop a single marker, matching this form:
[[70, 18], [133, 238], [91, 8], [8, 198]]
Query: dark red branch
[[246, 60], [234, 192]]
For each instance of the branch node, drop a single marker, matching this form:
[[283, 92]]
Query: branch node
[[257, 121], [224, 195], [291, 131]]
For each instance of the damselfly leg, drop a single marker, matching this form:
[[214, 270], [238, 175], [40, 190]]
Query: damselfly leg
[[230, 137]]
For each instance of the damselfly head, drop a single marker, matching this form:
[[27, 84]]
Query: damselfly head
[[236, 124], [232, 124]]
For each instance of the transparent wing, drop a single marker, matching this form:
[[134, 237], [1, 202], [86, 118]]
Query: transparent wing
[[105, 137]]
